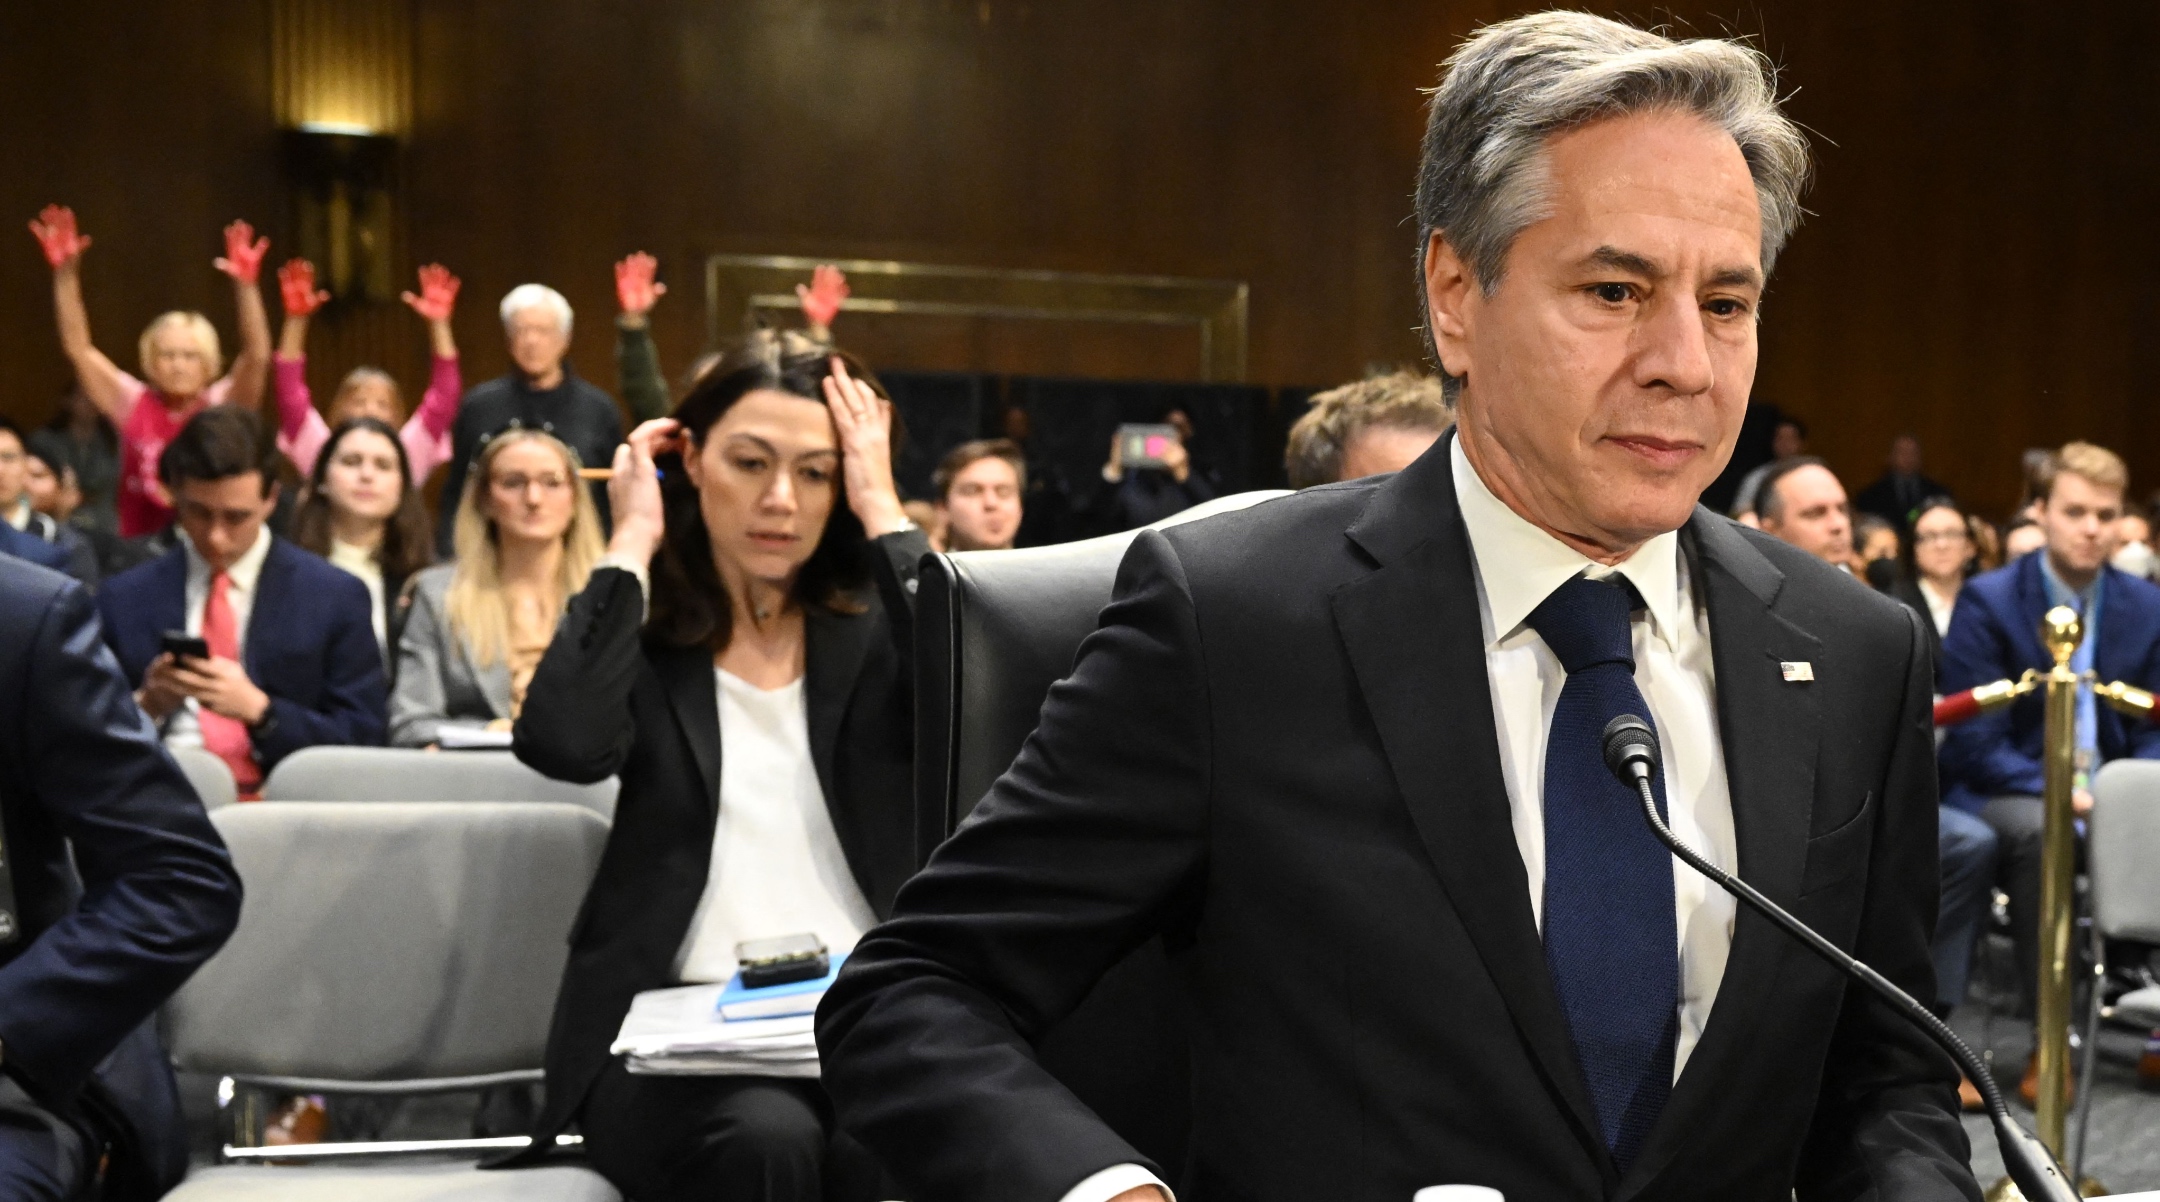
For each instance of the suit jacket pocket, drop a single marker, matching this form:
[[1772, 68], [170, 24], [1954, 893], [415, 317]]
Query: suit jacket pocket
[[1837, 854]]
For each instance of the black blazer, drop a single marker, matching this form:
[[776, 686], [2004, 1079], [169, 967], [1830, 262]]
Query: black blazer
[[604, 703], [1278, 750]]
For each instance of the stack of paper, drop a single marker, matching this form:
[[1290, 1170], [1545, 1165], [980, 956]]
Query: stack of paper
[[680, 1032]]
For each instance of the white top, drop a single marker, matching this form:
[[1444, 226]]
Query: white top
[[1518, 566], [361, 562], [182, 730], [1939, 607], [777, 868]]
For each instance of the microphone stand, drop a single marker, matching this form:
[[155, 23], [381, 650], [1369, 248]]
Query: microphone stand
[[1631, 752]]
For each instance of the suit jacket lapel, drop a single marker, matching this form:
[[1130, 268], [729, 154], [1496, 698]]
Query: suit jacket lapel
[[1415, 641], [1770, 729], [692, 692], [269, 599], [836, 646]]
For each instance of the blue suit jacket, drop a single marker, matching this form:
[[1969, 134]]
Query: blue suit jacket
[[80, 764], [24, 545], [1994, 634], [310, 645]]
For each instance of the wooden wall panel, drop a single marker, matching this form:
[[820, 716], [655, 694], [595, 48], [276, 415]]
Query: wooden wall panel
[[1973, 270]]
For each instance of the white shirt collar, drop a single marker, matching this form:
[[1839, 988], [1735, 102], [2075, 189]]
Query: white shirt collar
[[244, 570], [1520, 565], [18, 515]]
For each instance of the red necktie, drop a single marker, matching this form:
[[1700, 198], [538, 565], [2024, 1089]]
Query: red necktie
[[226, 738]]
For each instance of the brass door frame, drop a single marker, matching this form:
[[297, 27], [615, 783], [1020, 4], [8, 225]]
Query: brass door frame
[[755, 285]]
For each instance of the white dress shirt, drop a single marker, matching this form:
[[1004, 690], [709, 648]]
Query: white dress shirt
[[361, 562], [182, 729], [777, 866], [1517, 567]]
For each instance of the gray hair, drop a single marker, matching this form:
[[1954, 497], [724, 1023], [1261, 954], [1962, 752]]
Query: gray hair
[[536, 296], [1513, 85]]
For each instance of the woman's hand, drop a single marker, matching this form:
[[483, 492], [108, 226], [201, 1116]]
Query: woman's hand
[[437, 298], [62, 243], [296, 284], [243, 255], [864, 421], [634, 490], [635, 288]]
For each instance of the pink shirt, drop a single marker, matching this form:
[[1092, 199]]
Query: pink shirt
[[147, 422], [302, 432]]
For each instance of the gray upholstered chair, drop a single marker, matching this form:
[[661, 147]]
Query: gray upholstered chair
[[2122, 844], [405, 774], [213, 781], [385, 948]]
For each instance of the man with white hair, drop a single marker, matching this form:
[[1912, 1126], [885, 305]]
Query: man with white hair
[[1340, 751], [540, 393]]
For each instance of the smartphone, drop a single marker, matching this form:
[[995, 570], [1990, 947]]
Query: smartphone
[[1145, 445], [181, 645], [783, 960]]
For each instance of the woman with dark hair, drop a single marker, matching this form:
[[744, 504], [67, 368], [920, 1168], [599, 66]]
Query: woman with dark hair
[[362, 513], [766, 674], [1934, 564]]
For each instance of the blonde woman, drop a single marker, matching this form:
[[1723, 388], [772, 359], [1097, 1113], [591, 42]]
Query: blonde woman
[[527, 536], [180, 356]]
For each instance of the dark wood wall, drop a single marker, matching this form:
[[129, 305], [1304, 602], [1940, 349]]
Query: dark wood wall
[[1975, 269]]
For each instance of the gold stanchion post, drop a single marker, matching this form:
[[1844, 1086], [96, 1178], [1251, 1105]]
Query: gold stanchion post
[[2060, 631]]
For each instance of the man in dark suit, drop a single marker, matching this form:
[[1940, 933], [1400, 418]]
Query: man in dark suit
[[293, 661], [1991, 765], [89, 963], [1341, 750], [1896, 495]]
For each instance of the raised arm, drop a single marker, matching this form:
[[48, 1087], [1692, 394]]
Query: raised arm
[[637, 363], [242, 261], [102, 381], [435, 302], [296, 285], [822, 298]]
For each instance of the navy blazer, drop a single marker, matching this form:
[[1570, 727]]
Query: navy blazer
[[310, 645], [80, 765], [24, 545], [1995, 634]]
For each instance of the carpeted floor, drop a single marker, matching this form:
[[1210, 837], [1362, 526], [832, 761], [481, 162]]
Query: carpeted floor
[[2122, 1151]]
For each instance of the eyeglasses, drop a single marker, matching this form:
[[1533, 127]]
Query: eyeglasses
[[519, 483], [1941, 536]]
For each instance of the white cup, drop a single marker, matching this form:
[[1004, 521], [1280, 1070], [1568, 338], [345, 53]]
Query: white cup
[[1458, 1193]]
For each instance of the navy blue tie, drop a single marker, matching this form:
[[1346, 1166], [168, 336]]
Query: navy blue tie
[[1611, 939]]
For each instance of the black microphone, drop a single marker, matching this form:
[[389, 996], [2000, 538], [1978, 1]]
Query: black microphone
[[1631, 752]]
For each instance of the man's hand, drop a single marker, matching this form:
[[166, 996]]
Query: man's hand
[[222, 687], [296, 284], [438, 293], [55, 230], [635, 288], [243, 255], [160, 693], [822, 298]]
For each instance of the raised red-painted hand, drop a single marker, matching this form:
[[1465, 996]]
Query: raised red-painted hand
[[296, 283], [244, 253], [438, 293], [634, 285], [826, 293], [57, 235]]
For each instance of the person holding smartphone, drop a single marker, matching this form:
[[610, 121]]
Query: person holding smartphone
[[1139, 491]]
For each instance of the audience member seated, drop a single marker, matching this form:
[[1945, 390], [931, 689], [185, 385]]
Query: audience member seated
[[293, 661], [49, 483], [1987, 543], [1937, 560], [19, 544], [367, 391], [120, 890], [2133, 542], [1991, 765], [527, 538], [1046, 508], [1896, 496], [18, 511], [540, 393], [1802, 502], [1788, 442], [363, 513], [763, 672], [2023, 536], [82, 440], [980, 485], [179, 355], [1145, 495], [1379, 424], [1876, 549]]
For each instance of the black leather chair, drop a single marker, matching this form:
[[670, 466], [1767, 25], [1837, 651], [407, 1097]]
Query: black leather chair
[[994, 630]]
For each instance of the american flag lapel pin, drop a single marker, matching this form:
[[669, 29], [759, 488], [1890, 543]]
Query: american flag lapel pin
[[1796, 670]]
